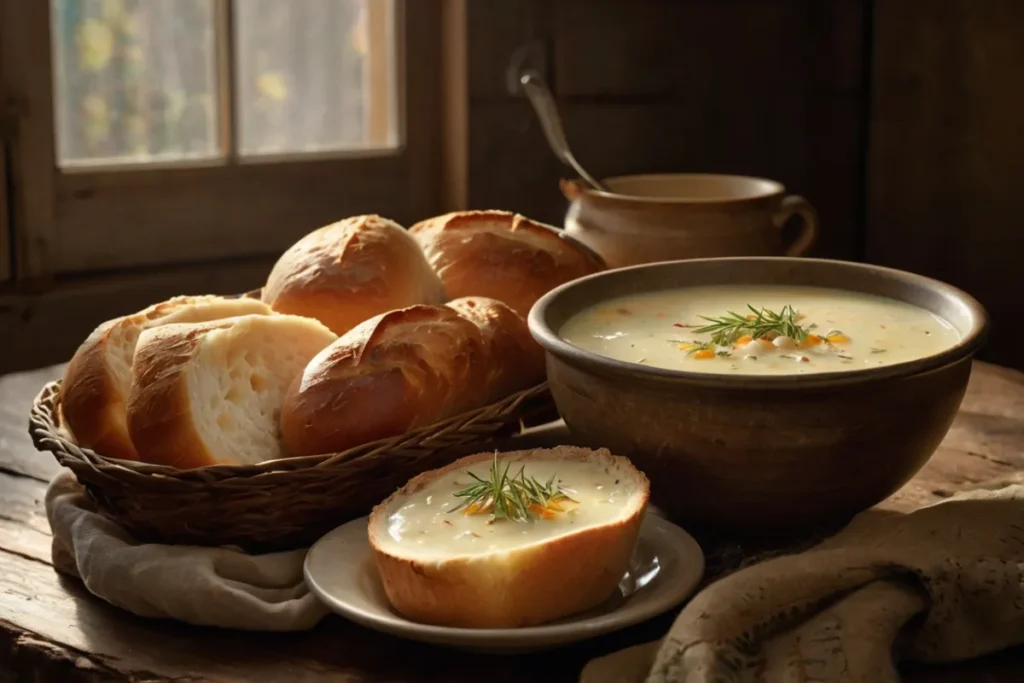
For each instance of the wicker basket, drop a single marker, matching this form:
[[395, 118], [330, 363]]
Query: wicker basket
[[278, 504]]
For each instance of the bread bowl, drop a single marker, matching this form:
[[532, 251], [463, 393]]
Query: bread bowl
[[350, 271], [211, 393], [500, 255], [470, 567], [405, 369], [98, 378]]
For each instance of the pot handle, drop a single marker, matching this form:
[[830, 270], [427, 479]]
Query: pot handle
[[795, 205]]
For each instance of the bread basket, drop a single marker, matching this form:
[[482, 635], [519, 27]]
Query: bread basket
[[279, 504]]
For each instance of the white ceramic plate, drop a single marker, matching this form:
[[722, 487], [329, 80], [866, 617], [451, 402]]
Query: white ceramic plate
[[666, 567]]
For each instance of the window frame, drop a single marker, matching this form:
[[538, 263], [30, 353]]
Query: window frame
[[6, 257], [84, 220]]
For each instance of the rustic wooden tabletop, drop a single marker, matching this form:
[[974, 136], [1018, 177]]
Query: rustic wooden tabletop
[[51, 629]]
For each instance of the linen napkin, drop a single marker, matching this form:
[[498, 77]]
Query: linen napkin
[[203, 586], [941, 584]]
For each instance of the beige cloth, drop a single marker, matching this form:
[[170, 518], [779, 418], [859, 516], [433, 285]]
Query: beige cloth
[[203, 586], [941, 584]]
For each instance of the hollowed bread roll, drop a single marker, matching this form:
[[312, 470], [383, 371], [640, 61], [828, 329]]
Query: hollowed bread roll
[[461, 568], [406, 369], [350, 271], [98, 378], [500, 255], [211, 393]]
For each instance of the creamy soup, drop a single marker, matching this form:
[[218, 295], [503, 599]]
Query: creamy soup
[[759, 330], [434, 521]]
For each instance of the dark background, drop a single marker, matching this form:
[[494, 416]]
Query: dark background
[[902, 121]]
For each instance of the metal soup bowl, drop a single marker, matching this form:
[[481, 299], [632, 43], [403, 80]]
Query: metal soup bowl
[[762, 454]]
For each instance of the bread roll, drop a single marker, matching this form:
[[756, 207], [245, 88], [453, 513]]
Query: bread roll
[[406, 369], [507, 339], [98, 378], [464, 568], [211, 393], [350, 271], [500, 255]]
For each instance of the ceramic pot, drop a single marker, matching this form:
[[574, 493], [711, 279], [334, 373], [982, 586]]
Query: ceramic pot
[[762, 454], [650, 218]]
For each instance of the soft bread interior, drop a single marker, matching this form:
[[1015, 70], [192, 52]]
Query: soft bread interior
[[237, 381], [123, 338]]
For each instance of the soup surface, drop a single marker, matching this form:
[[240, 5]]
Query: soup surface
[[759, 330], [431, 523]]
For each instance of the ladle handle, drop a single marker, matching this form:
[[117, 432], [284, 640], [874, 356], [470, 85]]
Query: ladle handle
[[547, 111]]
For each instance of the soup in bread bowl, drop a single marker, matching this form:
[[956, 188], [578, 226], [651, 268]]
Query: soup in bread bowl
[[761, 395], [509, 540]]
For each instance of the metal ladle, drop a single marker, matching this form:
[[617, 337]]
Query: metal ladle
[[544, 104]]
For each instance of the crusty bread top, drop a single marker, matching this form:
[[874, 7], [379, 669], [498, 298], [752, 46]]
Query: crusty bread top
[[501, 255], [98, 378], [518, 360], [431, 339], [637, 501], [350, 271], [401, 368]]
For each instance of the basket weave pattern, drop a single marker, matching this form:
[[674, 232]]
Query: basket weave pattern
[[278, 504]]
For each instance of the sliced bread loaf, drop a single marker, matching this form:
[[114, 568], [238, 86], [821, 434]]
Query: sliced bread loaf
[[211, 393], [98, 378]]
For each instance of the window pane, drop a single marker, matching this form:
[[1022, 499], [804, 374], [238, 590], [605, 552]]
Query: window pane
[[135, 80], [315, 75]]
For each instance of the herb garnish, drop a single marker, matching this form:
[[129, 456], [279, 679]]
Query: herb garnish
[[727, 329], [692, 347], [514, 498]]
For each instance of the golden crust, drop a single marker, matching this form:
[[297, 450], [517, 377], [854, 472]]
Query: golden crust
[[92, 406], [93, 398], [162, 414], [520, 359], [350, 271], [395, 372], [525, 586], [159, 416], [500, 255], [406, 369]]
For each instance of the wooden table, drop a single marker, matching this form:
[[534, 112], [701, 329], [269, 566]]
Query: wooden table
[[52, 630]]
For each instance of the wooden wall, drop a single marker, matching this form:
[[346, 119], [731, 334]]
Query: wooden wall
[[46, 327], [901, 121], [947, 152], [773, 88]]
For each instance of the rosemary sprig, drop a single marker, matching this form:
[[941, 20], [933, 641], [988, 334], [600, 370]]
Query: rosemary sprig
[[509, 497], [758, 323]]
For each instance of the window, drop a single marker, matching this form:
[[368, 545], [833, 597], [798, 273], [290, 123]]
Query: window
[[6, 257], [161, 131]]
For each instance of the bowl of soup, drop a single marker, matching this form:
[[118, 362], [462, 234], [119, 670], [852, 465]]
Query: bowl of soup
[[761, 395]]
